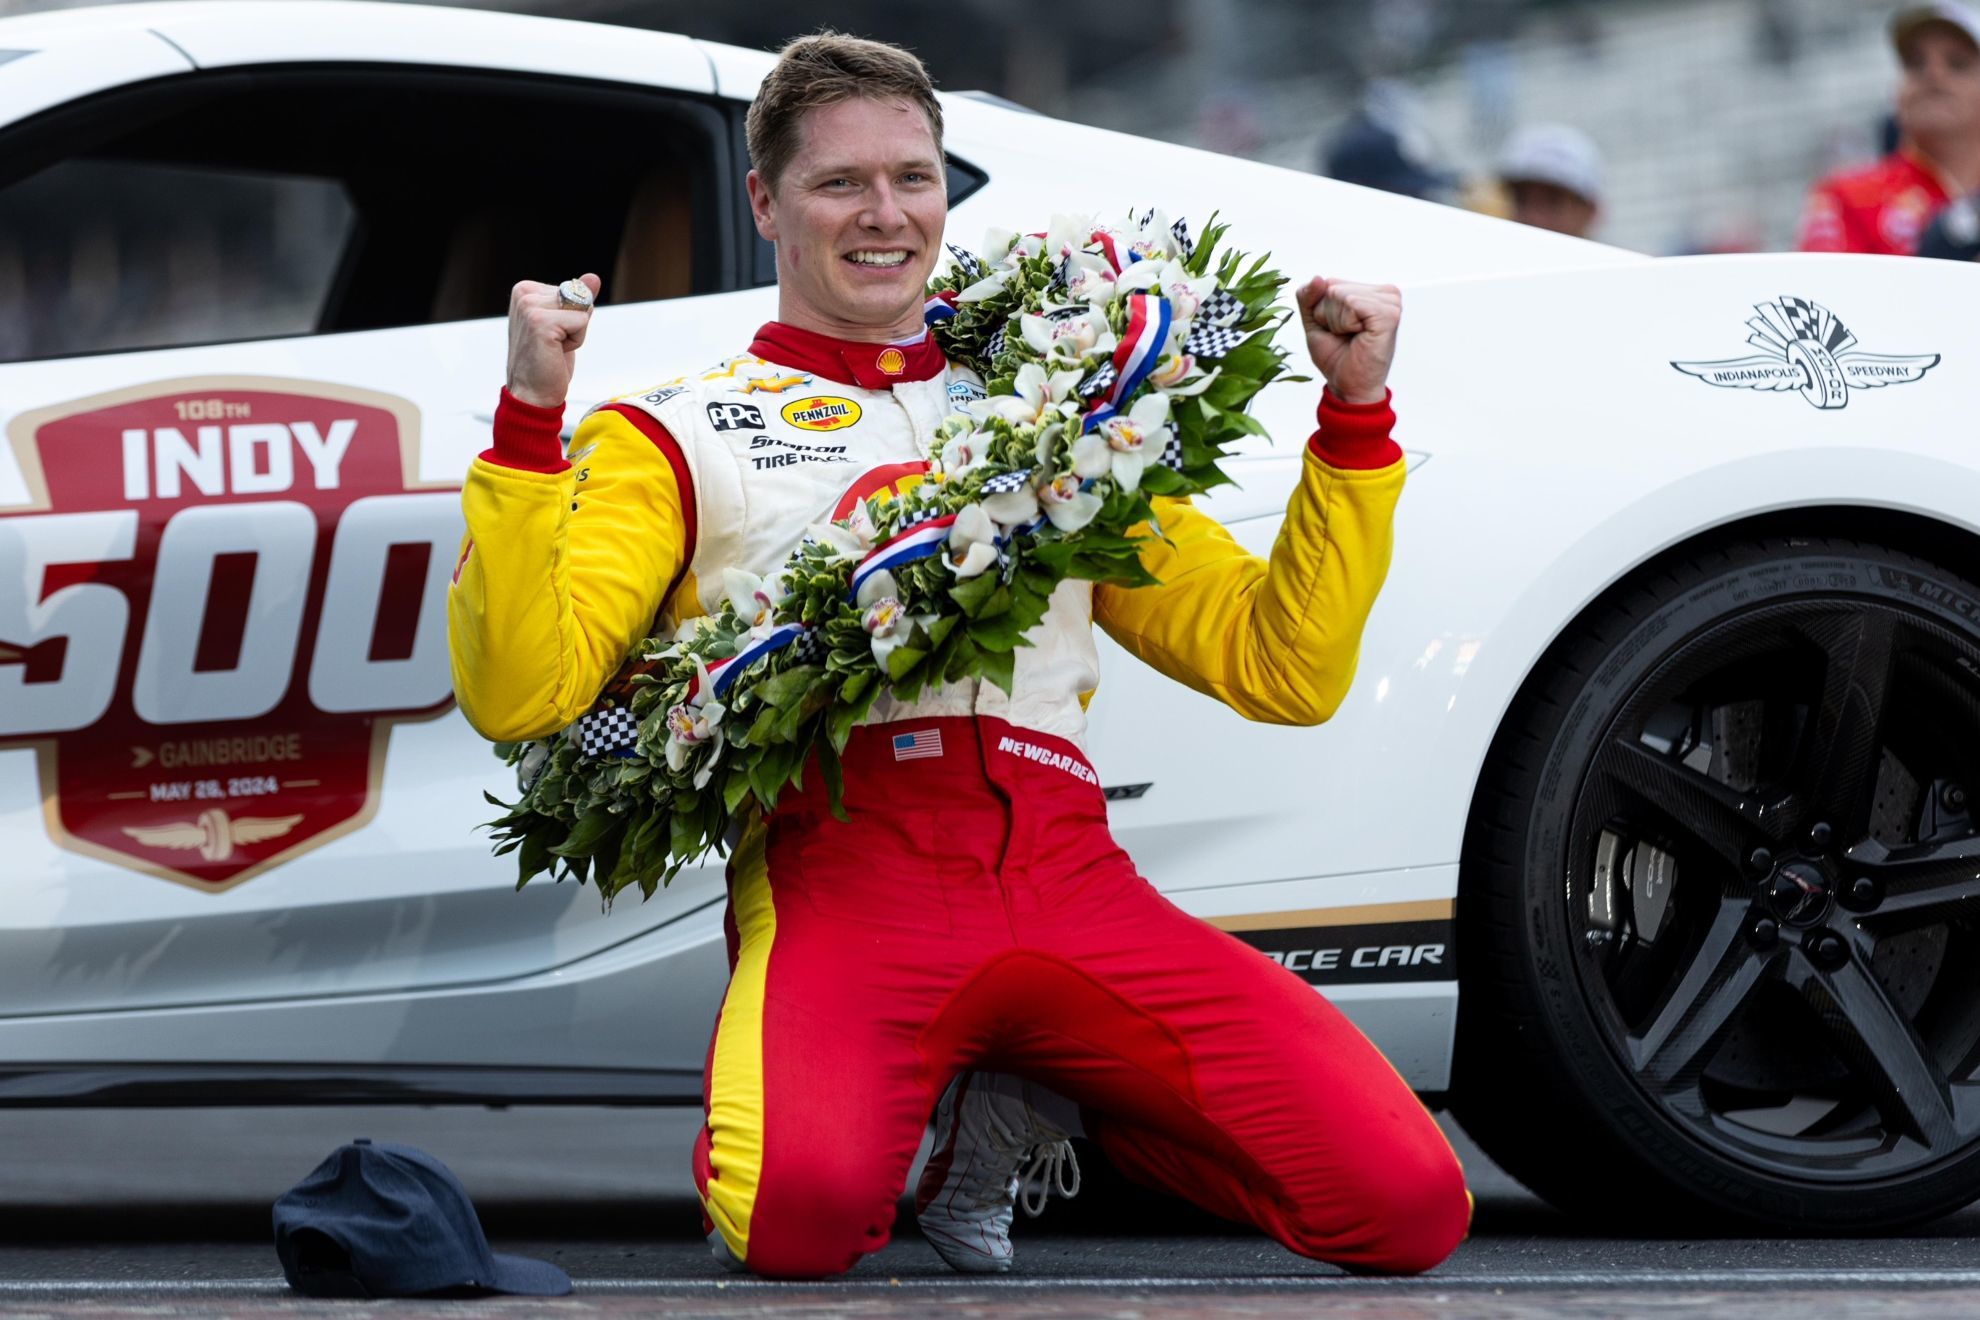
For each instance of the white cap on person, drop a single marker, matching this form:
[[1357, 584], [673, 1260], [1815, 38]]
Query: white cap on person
[[1907, 22], [1557, 154]]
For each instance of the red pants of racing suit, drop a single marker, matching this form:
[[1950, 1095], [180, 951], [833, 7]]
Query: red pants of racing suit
[[974, 912]]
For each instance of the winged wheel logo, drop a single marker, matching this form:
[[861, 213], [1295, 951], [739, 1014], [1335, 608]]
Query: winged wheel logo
[[1805, 348]]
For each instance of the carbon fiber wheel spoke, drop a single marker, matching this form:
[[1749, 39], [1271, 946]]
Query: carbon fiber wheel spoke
[[1837, 767], [1674, 1048], [1923, 879], [1726, 822], [1873, 1038]]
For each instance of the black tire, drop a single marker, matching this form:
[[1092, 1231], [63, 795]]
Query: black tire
[[1660, 1029]]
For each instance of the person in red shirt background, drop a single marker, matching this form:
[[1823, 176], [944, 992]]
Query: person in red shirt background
[[1883, 208]]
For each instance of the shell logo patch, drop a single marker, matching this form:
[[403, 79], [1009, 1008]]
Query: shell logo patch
[[888, 479], [892, 362], [821, 412]]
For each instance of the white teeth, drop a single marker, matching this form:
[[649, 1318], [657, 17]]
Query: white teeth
[[879, 258]]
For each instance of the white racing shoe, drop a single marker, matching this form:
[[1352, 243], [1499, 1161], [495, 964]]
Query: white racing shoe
[[993, 1152]]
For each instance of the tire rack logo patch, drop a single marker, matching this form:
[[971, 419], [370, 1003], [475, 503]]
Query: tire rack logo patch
[[1808, 350], [216, 597]]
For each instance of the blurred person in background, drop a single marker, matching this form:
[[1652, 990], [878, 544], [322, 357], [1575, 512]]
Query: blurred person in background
[[1381, 147], [1552, 175], [1883, 208], [1954, 234]]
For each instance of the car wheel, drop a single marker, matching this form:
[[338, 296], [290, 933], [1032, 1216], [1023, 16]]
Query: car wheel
[[1720, 903]]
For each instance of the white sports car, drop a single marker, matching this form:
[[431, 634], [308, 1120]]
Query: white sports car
[[1645, 836]]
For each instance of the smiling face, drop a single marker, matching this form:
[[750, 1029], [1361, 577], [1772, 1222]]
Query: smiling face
[[1939, 94], [857, 218]]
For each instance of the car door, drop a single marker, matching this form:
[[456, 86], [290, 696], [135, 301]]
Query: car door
[[254, 335]]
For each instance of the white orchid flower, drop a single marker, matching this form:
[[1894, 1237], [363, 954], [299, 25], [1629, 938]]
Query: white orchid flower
[[877, 586], [1172, 371], [888, 624], [1011, 508], [1122, 445], [1179, 376], [1090, 280], [1067, 234], [842, 540], [964, 452], [1067, 506], [988, 287], [1068, 339], [972, 545], [692, 725], [1034, 395], [755, 599]]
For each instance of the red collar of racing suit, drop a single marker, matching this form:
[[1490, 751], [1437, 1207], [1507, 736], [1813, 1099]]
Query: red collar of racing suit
[[847, 361]]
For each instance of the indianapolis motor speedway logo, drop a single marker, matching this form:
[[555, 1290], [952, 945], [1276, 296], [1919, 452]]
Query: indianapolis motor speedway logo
[[1808, 350]]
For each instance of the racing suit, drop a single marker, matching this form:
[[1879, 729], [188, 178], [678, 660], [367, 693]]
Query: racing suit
[[1881, 208], [974, 910]]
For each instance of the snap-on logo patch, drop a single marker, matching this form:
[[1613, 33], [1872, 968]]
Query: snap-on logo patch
[[821, 412]]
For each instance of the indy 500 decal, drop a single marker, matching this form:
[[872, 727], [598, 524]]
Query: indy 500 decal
[[215, 601], [1805, 348]]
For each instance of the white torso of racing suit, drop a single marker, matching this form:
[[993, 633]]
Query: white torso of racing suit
[[772, 450]]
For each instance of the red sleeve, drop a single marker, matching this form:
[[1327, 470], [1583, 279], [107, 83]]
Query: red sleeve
[[1355, 436], [527, 437]]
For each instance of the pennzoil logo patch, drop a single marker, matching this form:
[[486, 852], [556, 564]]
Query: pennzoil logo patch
[[1805, 348], [821, 412], [223, 594]]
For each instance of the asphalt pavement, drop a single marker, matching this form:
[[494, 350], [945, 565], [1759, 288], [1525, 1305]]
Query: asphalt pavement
[[152, 1213]]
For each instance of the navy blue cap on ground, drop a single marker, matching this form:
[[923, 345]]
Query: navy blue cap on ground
[[377, 1219]]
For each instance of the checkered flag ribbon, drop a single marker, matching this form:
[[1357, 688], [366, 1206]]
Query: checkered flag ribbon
[[1209, 341], [1099, 382], [1172, 453], [1221, 308], [608, 732], [914, 520], [968, 263], [996, 345], [1006, 482], [1061, 274], [1184, 243], [808, 647]]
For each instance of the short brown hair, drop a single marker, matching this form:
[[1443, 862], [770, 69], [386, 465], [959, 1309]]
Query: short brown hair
[[825, 69]]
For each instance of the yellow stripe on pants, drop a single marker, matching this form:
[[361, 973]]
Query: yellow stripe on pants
[[735, 1076]]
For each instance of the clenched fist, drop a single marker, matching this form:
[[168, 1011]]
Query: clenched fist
[[1351, 335], [544, 337]]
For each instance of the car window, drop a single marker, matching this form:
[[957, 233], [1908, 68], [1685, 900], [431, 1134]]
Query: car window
[[239, 205], [98, 256]]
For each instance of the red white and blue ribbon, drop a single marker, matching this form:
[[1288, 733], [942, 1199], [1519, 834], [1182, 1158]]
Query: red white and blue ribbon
[[917, 542], [939, 308], [1140, 351], [1112, 252], [724, 673]]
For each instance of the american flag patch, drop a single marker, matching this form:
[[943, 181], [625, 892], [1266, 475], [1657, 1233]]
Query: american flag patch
[[917, 746]]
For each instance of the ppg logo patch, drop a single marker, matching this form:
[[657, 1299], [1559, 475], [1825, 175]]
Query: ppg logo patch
[[731, 416]]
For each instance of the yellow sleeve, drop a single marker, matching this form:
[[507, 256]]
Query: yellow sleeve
[[560, 574], [1273, 641]]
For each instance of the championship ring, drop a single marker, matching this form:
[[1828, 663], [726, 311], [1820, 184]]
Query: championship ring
[[574, 296]]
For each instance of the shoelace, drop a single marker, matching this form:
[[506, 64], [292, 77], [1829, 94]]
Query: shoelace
[[1046, 1174], [989, 1184]]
